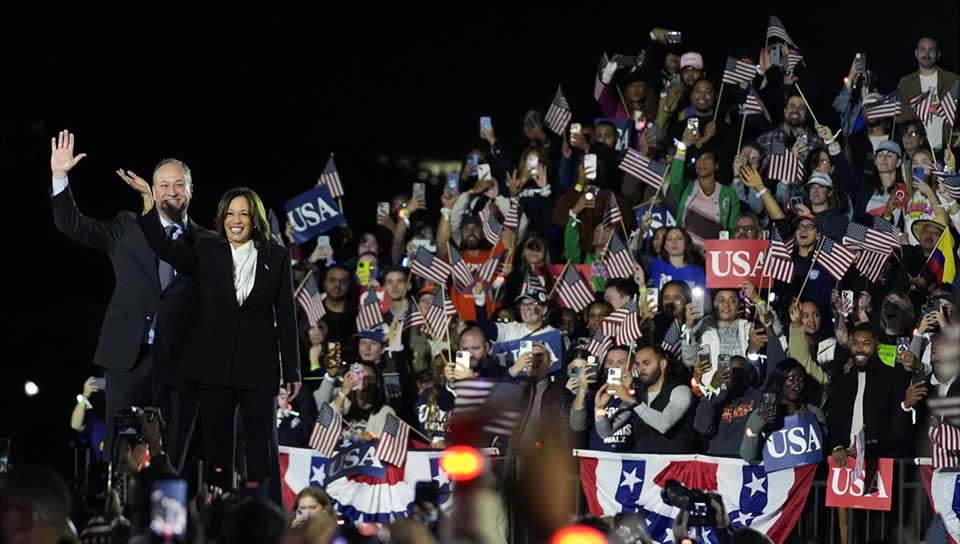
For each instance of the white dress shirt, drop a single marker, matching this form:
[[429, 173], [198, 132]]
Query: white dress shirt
[[244, 269]]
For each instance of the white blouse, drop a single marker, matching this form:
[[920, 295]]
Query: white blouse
[[244, 269]]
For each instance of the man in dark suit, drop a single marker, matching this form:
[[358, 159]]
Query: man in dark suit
[[866, 398], [152, 306], [928, 76], [942, 382]]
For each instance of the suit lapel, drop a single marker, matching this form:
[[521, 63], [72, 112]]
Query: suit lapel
[[262, 268]]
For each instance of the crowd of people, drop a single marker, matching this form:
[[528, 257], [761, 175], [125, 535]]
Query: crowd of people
[[551, 288]]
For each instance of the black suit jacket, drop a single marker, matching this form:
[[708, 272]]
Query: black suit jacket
[[251, 346], [137, 299], [882, 395]]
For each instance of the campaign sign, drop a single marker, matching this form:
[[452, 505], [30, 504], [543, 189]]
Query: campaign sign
[[845, 490], [356, 458], [732, 262], [505, 353], [313, 213], [660, 216], [798, 443]]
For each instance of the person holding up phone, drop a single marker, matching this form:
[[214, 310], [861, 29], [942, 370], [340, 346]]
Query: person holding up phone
[[721, 416], [592, 402], [360, 399], [704, 206], [87, 417], [782, 396]]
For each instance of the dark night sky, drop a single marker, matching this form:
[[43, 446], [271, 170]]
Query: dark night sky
[[261, 100]]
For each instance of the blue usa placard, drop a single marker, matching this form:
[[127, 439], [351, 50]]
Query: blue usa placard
[[505, 353], [312, 213], [353, 459], [798, 443]]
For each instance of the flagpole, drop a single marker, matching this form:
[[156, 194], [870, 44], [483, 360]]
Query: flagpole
[[496, 296], [810, 109], [562, 272], [716, 110], [743, 123], [302, 282], [812, 263]]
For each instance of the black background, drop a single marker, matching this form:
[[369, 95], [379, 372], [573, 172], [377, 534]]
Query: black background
[[261, 100]]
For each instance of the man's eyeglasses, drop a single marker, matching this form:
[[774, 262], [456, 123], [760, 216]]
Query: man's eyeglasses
[[747, 229], [807, 226]]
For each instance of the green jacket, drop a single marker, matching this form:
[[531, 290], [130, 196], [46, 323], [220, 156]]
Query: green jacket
[[682, 187]]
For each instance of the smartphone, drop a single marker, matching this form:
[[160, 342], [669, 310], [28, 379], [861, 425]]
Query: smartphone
[[590, 165], [768, 401], [900, 195], [723, 235], [533, 163], [463, 360], [674, 36], [903, 344], [363, 269], [591, 192], [796, 200], [483, 172], [575, 371], [776, 58], [591, 361], [919, 173], [723, 361], [101, 383], [696, 298], [168, 510], [302, 514], [486, 124], [802, 140], [860, 59], [420, 191], [453, 183], [383, 208], [323, 240], [613, 376], [846, 297], [473, 160], [693, 125], [575, 128], [653, 298], [627, 61], [703, 353], [356, 371], [428, 245], [526, 346], [930, 307]]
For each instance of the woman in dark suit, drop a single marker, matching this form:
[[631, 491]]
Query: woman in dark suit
[[243, 347]]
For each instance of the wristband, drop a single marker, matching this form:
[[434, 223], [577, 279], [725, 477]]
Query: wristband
[[573, 217], [84, 401], [681, 147], [762, 192], [600, 413], [578, 187], [839, 448]]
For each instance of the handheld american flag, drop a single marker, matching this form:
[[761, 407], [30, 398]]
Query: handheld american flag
[[834, 258], [948, 105], [558, 114], [492, 229], [430, 267], [753, 104], [951, 186], [612, 215], [863, 237], [598, 84], [792, 62], [629, 331], [512, 220], [488, 270], [369, 315], [775, 29], [738, 71], [414, 319], [309, 299], [331, 179], [275, 228], [437, 318], [599, 344], [886, 107], [646, 170], [617, 259], [779, 262], [922, 106], [671, 340], [462, 277], [785, 167], [393, 441], [573, 290], [326, 431], [871, 264]]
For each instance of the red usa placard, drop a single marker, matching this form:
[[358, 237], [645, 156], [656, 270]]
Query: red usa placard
[[847, 491], [732, 262]]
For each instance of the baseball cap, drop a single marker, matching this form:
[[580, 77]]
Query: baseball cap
[[535, 294], [820, 178], [891, 146], [691, 59]]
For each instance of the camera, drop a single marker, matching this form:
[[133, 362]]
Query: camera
[[694, 501]]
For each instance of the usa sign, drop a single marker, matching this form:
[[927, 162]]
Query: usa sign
[[798, 443], [312, 213], [867, 491], [732, 262]]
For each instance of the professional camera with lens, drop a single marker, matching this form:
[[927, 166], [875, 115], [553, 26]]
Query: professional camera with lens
[[694, 501], [126, 424]]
